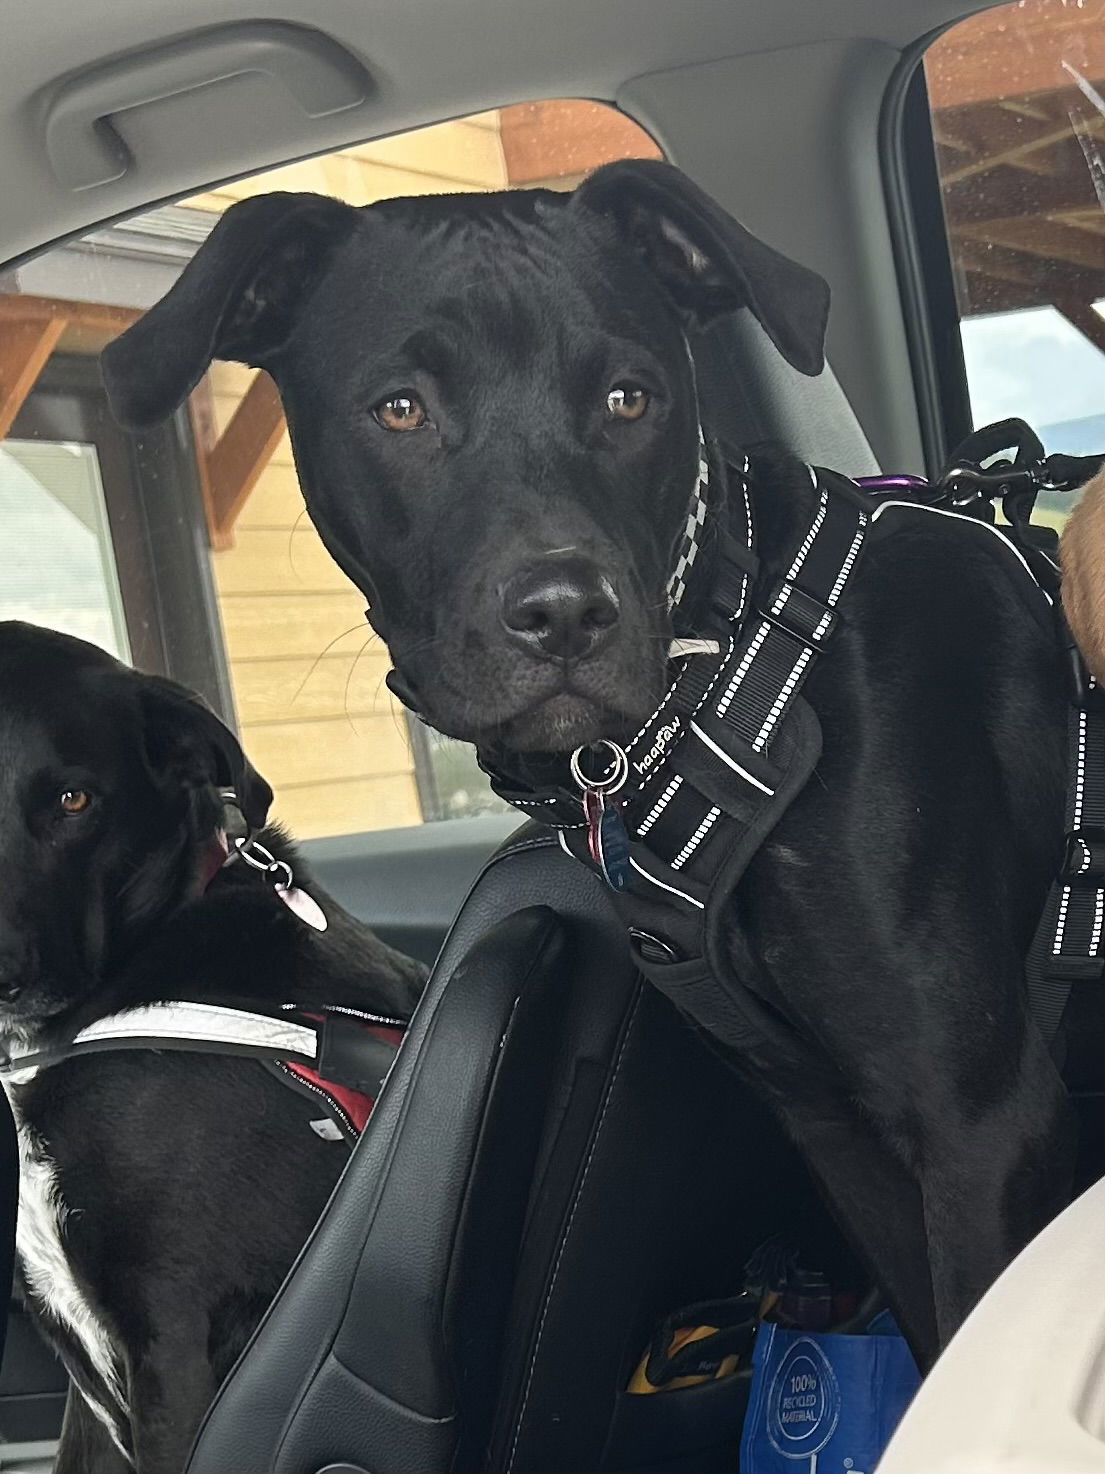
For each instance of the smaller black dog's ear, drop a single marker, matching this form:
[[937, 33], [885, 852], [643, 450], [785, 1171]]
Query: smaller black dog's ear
[[235, 299], [706, 261], [185, 738]]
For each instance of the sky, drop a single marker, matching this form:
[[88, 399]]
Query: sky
[[1034, 364]]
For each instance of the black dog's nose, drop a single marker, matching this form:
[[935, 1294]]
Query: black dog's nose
[[561, 609]]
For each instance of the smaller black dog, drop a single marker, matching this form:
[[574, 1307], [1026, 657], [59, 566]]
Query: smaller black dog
[[165, 1194]]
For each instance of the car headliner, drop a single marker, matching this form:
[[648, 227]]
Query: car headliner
[[428, 60]]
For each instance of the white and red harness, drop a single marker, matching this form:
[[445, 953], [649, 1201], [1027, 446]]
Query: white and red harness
[[338, 1056]]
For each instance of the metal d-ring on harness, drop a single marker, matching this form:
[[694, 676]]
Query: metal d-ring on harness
[[672, 820]]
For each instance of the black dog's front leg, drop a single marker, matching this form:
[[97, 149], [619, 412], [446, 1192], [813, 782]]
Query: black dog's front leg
[[873, 1197], [992, 1180], [170, 1388], [86, 1447], [926, 1021]]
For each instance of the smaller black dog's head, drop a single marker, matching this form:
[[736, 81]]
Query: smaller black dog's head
[[493, 414], [109, 808]]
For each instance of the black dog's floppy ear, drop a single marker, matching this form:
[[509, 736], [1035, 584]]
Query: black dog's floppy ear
[[185, 737], [235, 299], [707, 262]]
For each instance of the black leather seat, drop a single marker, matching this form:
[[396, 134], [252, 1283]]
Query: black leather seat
[[556, 1162]]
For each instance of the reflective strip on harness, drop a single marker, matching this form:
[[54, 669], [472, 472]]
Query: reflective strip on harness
[[1067, 946], [304, 1049]]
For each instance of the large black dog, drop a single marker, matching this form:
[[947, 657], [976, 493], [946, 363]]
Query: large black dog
[[164, 1195], [493, 414]]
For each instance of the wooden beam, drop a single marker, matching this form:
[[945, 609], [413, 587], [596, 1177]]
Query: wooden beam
[[1082, 315], [1044, 238], [1091, 222], [989, 294], [1004, 52], [25, 345], [1026, 107], [1019, 156], [545, 140], [233, 465], [1002, 195], [17, 308]]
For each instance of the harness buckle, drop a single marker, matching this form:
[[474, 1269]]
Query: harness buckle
[[653, 949], [798, 613]]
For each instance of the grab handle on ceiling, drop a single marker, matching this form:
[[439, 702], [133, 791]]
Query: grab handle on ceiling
[[86, 150]]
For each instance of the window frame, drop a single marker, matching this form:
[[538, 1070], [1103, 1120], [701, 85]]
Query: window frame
[[922, 258], [155, 515]]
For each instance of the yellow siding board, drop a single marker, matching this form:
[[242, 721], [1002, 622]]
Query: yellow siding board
[[278, 562], [327, 751], [276, 502], [386, 802], [257, 627], [299, 690], [449, 151], [230, 378]]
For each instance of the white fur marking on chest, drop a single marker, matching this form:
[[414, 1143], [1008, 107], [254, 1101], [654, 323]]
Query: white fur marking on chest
[[48, 1274]]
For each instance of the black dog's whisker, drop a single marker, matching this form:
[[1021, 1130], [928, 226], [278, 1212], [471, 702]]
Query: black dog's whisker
[[322, 653], [349, 680], [291, 542]]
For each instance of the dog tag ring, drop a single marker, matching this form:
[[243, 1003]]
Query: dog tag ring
[[279, 875], [607, 836]]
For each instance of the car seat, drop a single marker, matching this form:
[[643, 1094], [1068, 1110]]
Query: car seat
[[557, 1161]]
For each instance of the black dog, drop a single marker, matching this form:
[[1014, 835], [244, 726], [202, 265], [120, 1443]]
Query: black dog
[[165, 1195], [493, 414]]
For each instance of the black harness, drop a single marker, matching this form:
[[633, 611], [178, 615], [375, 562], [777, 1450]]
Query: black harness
[[673, 819]]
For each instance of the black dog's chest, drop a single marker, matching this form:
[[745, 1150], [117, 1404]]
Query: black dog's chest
[[189, 1170]]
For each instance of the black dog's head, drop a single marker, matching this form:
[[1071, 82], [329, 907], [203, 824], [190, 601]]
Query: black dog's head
[[109, 807], [493, 415]]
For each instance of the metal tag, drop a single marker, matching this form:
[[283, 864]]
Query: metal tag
[[607, 839], [303, 905]]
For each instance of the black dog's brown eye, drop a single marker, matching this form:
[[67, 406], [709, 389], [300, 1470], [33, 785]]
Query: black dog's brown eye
[[74, 801], [626, 402], [402, 412]]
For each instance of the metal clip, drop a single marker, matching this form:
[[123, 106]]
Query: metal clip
[[257, 857]]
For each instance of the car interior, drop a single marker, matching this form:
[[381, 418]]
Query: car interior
[[559, 1160]]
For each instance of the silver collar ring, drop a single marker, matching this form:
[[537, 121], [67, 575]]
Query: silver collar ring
[[613, 780], [257, 857]]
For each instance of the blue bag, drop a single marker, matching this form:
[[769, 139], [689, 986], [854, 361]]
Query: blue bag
[[823, 1403]]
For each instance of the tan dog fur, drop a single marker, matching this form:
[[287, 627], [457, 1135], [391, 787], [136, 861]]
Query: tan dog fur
[[1082, 555]]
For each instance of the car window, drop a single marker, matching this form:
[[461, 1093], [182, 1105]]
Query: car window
[[1018, 114], [190, 551]]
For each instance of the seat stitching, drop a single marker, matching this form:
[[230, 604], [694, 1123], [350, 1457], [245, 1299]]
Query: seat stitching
[[568, 1229]]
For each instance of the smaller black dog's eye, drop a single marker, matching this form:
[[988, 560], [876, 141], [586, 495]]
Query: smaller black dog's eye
[[626, 402], [400, 412], [74, 801]]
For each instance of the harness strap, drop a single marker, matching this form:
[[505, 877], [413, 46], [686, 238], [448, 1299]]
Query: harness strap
[[732, 742], [341, 1056], [1067, 946]]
